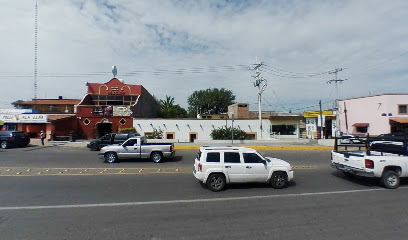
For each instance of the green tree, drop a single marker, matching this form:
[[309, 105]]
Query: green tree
[[167, 109], [15, 103], [210, 101], [225, 133]]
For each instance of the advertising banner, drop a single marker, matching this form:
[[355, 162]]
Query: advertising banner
[[23, 118]]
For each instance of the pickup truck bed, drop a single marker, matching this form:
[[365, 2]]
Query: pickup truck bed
[[385, 163]]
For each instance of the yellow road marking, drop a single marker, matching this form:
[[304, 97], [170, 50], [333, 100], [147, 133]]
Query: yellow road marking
[[25, 171]]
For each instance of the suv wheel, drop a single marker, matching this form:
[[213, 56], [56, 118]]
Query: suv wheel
[[4, 144], [216, 182], [390, 179], [156, 157], [111, 157], [279, 180]]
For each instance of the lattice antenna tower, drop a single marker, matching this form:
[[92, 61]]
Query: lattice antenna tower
[[35, 49]]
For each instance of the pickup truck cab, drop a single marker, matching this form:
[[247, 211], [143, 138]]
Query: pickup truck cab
[[137, 148], [386, 159], [218, 166]]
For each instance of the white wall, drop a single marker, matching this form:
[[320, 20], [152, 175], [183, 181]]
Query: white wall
[[203, 127]]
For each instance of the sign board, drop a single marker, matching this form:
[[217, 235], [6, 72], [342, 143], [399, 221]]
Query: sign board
[[23, 118], [122, 111], [106, 111], [311, 127]]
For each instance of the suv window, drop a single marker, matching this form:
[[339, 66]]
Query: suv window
[[213, 157], [232, 157], [252, 158]]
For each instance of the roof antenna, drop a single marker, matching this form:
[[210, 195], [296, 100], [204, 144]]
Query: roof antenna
[[114, 71]]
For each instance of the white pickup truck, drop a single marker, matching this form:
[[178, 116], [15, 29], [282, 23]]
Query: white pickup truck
[[137, 147], [381, 158], [218, 166]]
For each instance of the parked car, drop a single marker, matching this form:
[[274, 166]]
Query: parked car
[[10, 139], [109, 139], [135, 148], [217, 166], [349, 139]]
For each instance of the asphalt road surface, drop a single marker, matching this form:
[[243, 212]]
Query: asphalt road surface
[[68, 193]]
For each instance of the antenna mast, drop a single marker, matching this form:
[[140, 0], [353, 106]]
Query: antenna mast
[[336, 81], [35, 49]]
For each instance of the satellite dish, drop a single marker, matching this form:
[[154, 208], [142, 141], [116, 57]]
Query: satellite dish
[[114, 71]]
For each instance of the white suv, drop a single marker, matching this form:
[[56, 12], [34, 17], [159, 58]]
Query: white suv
[[218, 166]]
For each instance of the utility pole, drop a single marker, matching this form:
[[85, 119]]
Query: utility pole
[[261, 84], [321, 119], [337, 108], [35, 49]]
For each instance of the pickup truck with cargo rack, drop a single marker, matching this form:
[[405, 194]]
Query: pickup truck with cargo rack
[[377, 157], [137, 148]]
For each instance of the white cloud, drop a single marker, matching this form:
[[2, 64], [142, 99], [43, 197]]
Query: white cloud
[[177, 47]]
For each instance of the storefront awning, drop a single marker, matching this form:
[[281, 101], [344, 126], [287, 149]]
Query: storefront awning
[[361, 125], [399, 120]]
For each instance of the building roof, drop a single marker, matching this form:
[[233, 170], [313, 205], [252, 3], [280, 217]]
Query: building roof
[[55, 118], [114, 85], [51, 102], [377, 95]]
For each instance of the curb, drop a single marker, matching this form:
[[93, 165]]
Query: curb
[[264, 148]]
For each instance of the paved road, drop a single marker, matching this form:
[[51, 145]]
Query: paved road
[[319, 204]]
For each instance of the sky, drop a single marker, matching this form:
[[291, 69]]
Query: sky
[[176, 47]]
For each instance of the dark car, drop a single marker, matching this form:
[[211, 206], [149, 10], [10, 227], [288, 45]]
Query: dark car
[[10, 139], [109, 139]]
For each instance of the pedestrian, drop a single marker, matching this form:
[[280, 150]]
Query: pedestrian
[[42, 136]]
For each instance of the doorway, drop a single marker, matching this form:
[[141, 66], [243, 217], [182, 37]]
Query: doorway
[[102, 129], [193, 136]]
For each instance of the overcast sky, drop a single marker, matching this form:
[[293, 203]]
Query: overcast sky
[[176, 47]]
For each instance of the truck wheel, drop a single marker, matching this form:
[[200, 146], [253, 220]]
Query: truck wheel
[[111, 157], [279, 180], [216, 182], [4, 144], [156, 157], [390, 179]]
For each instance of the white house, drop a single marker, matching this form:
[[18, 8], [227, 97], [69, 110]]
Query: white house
[[188, 130]]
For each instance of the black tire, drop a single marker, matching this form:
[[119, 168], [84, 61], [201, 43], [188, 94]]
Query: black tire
[[111, 157], [156, 157], [279, 180], [390, 179], [4, 144], [95, 147], [216, 182]]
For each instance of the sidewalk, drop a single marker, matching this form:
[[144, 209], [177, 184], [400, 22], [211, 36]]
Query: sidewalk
[[264, 145]]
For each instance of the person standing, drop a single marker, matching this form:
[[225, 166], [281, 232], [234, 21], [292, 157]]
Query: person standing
[[42, 136]]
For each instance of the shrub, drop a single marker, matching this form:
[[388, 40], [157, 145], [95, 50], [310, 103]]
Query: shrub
[[225, 133]]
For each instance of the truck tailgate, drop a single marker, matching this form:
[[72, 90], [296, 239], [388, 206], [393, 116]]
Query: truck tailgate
[[354, 160]]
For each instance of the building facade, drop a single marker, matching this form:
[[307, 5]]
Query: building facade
[[110, 106], [374, 115]]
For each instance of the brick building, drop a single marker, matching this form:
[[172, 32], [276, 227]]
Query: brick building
[[109, 107]]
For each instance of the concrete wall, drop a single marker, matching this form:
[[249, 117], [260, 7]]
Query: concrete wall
[[182, 128]]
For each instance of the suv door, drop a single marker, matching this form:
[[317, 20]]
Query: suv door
[[256, 168], [233, 166]]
